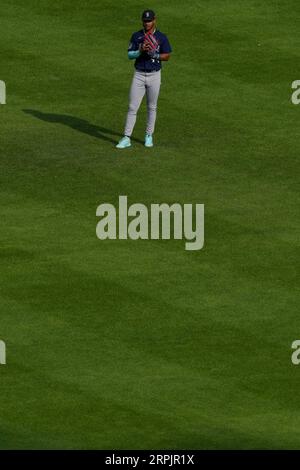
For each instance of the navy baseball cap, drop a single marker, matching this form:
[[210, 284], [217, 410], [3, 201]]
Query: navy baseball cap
[[148, 15]]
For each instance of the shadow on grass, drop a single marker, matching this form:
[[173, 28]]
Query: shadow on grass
[[80, 125]]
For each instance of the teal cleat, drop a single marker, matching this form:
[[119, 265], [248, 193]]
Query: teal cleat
[[148, 140], [124, 143]]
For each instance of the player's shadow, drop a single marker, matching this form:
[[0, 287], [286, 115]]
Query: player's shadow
[[80, 125]]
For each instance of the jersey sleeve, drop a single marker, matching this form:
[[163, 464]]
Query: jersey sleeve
[[133, 44], [165, 47]]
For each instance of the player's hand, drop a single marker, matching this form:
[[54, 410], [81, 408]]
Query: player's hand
[[145, 47]]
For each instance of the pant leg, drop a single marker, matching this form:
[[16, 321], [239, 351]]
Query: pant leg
[[137, 92], [153, 82]]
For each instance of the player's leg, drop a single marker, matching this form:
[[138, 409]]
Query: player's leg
[[152, 91], [136, 95], [137, 92]]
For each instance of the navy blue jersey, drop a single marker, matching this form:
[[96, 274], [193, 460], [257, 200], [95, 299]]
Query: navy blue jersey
[[144, 63]]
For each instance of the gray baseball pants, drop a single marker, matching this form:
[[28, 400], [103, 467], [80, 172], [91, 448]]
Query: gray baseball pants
[[143, 82]]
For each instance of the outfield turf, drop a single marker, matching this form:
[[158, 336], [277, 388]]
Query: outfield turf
[[141, 344]]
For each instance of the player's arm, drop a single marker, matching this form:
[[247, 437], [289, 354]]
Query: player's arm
[[134, 49], [165, 50], [164, 57], [134, 54]]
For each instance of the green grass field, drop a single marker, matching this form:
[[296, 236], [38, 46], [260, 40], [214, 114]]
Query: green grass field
[[141, 344]]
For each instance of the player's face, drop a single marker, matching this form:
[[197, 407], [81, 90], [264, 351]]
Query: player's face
[[148, 25]]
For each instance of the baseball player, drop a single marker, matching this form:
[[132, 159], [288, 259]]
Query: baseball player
[[149, 47]]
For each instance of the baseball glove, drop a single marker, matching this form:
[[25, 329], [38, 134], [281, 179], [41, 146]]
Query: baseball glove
[[150, 42]]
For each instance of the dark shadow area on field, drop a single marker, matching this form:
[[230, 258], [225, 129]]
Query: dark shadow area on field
[[80, 125]]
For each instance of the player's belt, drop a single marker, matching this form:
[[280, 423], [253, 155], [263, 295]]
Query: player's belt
[[146, 71]]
